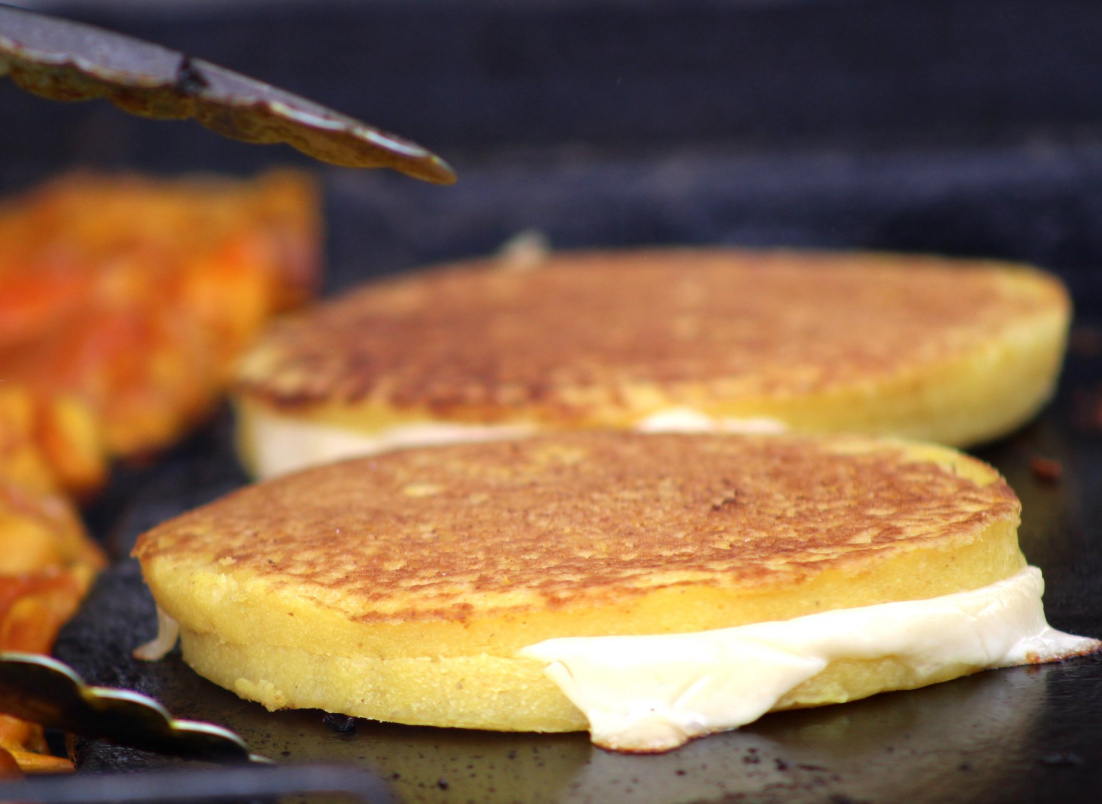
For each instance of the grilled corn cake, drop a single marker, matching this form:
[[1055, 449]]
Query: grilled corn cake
[[465, 585], [952, 351]]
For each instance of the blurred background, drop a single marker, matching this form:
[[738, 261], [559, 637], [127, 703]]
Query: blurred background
[[967, 127]]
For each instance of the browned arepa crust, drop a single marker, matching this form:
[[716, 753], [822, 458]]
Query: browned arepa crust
[[955, 351], [440, 564]]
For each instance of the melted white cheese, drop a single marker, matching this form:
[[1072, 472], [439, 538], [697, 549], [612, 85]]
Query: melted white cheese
[[284, 444], [654, 693], [688, 420], [168, 631]]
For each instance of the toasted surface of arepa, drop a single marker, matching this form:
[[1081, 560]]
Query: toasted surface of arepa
[[953, 351], [401, 587]]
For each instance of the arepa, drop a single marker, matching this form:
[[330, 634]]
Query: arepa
[[953, 351], [492, 585]]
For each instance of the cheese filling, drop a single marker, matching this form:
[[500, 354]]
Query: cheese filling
[[655, 693], [688, 420], [168, 632], [284, 444]]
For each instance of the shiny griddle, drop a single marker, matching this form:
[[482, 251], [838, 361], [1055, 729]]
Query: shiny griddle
[[755, 89], [1020, 734], [1016, 735]]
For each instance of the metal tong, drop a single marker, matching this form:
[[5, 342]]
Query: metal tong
[[65, 60], [45, 691]]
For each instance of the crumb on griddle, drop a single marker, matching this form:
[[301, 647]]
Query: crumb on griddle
[[1048, 470]]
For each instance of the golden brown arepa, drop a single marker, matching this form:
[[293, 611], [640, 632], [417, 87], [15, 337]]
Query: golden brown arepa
[[402, 587], [914, 346]]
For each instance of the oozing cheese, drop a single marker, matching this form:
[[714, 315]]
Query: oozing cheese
[[654, 693], [284, 444]]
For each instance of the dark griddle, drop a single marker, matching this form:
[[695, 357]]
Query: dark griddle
[[1018, 735], [957, 126]]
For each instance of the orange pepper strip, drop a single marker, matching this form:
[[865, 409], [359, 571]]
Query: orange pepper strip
[[9, 767], [31, 762]]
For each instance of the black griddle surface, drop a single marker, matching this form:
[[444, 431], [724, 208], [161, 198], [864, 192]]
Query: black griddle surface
[[946, 126], [1016, 735], [1029, 734], [1021, 734]]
